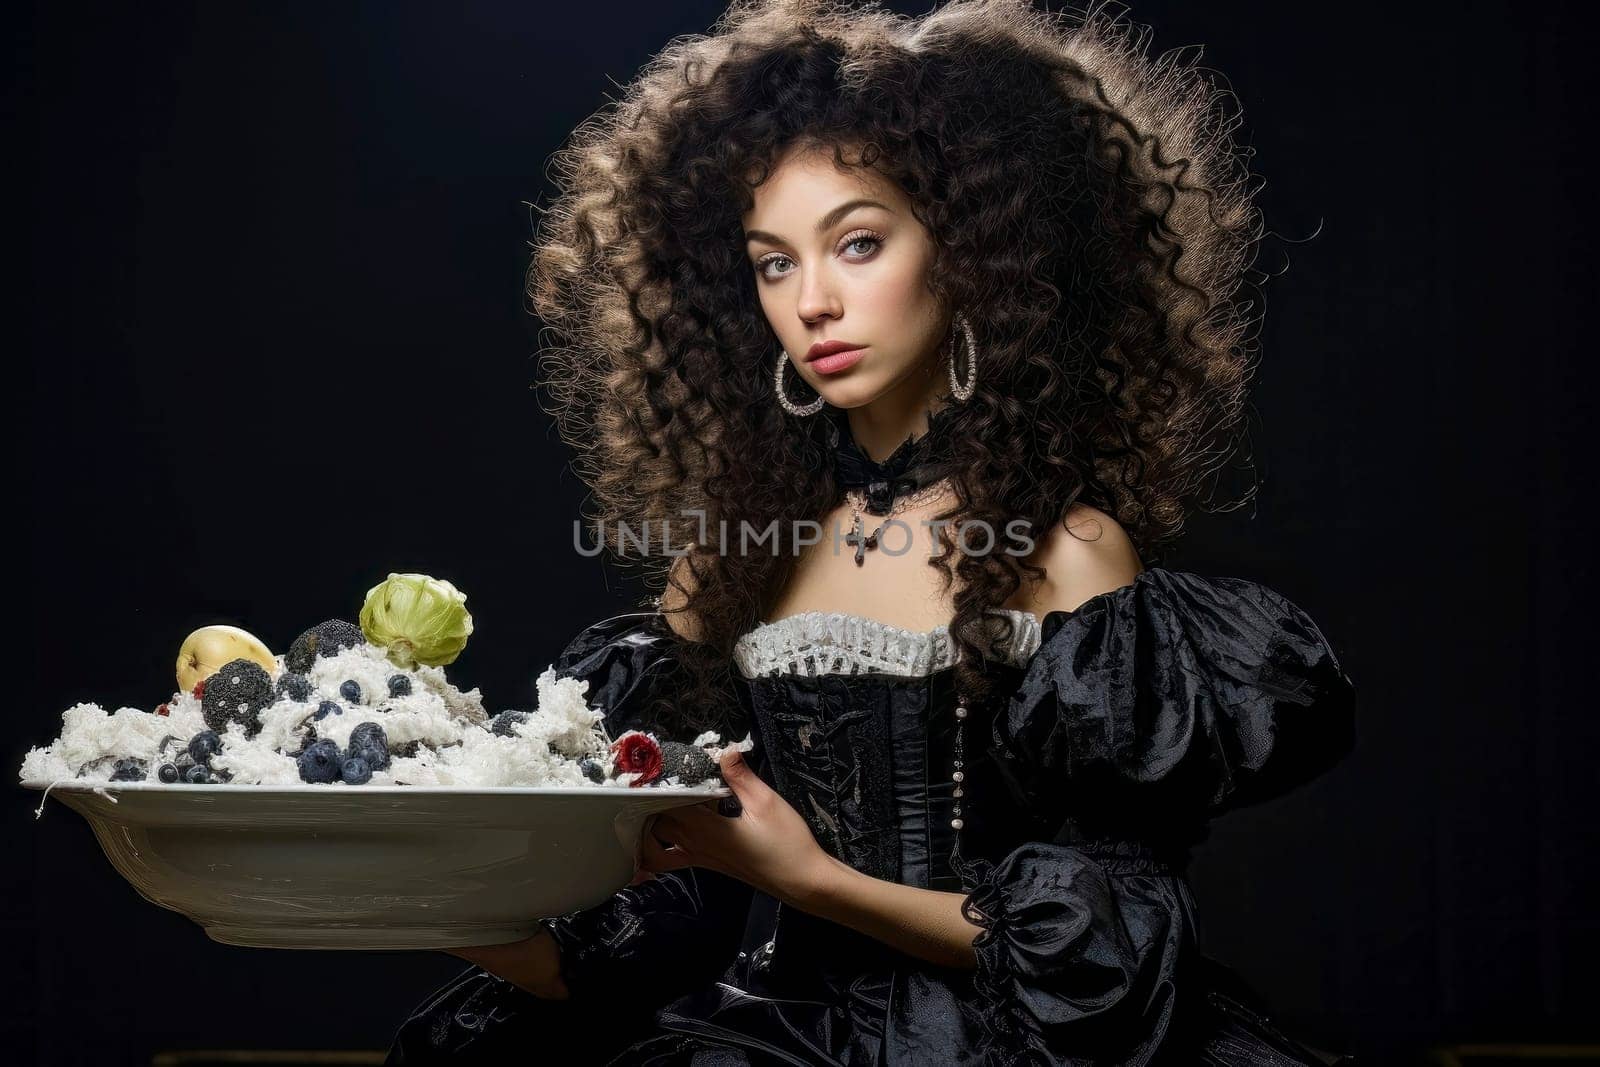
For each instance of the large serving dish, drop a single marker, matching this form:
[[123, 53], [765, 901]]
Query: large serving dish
[[370, 867]]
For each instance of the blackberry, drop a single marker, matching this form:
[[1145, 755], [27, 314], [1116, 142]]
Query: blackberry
[[369, 743], [691, 765], [326, 708], [350, 690], [503, 724], [237, 693], [129, 770], [320, 762], [204, 745], [324, 639], [399, 685], [168, 773], [355, 771], [592, 770], [295, 686]]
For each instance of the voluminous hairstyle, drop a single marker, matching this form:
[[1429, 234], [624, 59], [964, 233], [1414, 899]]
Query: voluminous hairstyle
[[1093, 218]]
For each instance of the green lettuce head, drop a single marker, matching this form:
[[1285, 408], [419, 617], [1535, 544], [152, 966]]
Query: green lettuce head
[[417, 619]]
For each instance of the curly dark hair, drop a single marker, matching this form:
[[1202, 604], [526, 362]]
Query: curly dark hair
[[1091, 211]]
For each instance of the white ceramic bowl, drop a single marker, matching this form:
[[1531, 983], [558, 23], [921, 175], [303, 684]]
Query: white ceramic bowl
[[370, 867]]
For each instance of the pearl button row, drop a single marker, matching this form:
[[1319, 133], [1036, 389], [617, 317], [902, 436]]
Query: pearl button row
[[958, 775]]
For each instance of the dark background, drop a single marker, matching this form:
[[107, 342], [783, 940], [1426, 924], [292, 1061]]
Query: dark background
[[268, 345]]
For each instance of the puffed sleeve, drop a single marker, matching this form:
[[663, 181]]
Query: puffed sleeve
[[628, 661], [1151, 707], [653, 940], [1177, 691]]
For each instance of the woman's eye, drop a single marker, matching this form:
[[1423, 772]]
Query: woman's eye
[[765, 263], [870, 239]]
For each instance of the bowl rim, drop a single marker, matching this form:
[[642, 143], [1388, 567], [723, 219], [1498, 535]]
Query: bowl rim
[[78, 785]]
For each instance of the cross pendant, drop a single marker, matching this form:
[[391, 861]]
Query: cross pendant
[[862, 542]]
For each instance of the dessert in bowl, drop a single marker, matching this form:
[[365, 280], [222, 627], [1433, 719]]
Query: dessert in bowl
[[384, 867], [347, 795]]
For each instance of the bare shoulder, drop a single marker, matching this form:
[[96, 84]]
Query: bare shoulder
[[680, 586], [1084, 555]]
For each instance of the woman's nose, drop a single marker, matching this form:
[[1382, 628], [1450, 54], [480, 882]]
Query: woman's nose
[[817, 298]]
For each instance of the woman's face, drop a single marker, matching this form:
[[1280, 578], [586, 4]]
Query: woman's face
[[829, 271]]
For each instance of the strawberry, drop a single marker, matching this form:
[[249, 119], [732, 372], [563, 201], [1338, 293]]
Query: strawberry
[[163, 710]]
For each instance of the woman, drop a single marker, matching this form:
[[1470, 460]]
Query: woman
[[1003, 252]]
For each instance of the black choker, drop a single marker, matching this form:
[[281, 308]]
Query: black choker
[[916, 462]]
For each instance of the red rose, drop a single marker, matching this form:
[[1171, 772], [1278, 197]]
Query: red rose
[[637, 753]]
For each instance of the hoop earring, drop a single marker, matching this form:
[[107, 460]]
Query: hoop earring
[[963, 392], [789, 405]]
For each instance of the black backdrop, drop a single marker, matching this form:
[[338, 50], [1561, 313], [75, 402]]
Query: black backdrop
[[272, 347]]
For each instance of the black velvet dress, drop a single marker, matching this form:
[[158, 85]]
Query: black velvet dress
[[1130, 723]]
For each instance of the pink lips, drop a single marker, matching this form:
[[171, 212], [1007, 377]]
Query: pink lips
[[831, 356], [838, 362]]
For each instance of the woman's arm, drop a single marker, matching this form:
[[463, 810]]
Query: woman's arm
[[770, 847], [924, 923], [533, 964]]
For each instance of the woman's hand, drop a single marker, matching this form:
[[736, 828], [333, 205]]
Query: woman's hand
[[767, 845]]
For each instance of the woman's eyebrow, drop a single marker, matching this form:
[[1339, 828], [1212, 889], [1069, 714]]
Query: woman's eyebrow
[[826, 221]]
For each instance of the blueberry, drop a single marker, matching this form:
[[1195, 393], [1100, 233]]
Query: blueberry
[[503, 723], [326, 708], [350, 691], [128, 770], [320, 762], [369, 742], [183, 762], [592, 770], [295, 686], [168, 773], [197, 775], [399, 685], [367, 732], [355, 771], [204, 745]]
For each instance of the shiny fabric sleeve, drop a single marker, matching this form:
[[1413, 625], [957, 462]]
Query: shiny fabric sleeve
[[628, 661], [1150, 708], [653, 940], [1079, 956], [1176, 692]]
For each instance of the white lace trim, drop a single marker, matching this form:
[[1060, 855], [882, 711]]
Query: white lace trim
[[834, 642]]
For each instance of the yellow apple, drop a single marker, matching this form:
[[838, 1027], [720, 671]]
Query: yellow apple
[[205, 651]]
